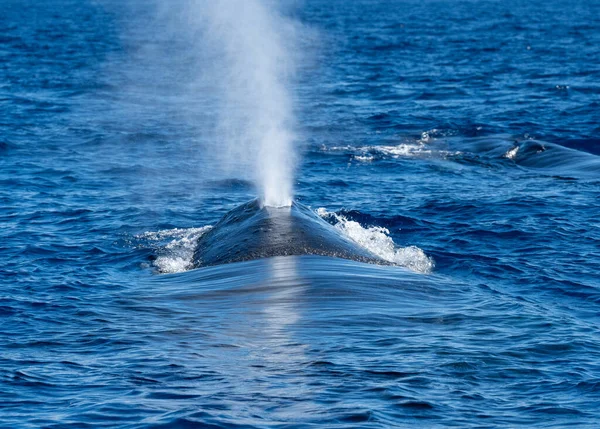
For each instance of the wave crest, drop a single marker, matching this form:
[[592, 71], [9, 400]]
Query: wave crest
[[175, 248], [377, 240]]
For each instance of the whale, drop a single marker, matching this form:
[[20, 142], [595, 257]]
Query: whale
[[254, 231]]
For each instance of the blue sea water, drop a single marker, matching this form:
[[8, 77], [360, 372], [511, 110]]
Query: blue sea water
[[460, 139]]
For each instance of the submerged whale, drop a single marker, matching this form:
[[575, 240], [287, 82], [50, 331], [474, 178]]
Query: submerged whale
[[253, 231]]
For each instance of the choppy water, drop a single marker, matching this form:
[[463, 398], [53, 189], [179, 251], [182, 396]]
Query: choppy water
[[458, 139]]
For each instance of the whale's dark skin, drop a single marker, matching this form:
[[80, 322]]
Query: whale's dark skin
[[251, 231]]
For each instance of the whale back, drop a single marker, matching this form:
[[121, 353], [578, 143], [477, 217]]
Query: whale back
[[252, 231]]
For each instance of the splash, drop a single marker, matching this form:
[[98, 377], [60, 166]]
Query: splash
[[422, 147], [255, 43], [175, 248], [378, 241], [512, 153]]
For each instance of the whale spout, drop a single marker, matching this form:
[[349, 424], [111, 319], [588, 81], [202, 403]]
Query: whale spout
[[252, 231]]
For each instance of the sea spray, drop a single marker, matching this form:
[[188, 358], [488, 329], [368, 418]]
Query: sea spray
[[255, 47], [377, 240], [223, 73]]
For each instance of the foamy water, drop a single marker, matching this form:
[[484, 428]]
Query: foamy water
[[377, 240], [424, 146], [175, 248]]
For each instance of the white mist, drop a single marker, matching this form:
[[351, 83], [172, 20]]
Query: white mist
[[254, 47]]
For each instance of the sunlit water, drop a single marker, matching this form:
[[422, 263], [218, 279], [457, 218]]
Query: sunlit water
[[458, 140]]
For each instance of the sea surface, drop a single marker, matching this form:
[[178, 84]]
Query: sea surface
[[459, 140]]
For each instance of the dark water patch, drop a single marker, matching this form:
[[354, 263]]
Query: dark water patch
[[416, 405], [232, 185]]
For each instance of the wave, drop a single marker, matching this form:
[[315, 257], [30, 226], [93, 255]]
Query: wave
[[410, 148], [551, 158], [174, 247], [555, 158], [402, 150], [575, 158], [377, 240]]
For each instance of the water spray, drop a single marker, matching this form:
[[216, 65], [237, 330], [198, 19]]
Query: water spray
[[256, 118]]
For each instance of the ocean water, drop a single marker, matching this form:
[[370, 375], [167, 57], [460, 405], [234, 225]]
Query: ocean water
[[459, 140]]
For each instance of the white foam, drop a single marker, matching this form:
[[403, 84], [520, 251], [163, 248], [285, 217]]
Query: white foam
[[408, 150], [512, 153], [378, 241], [365, 153], [403, 150], [422, 147], [175, 248]]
